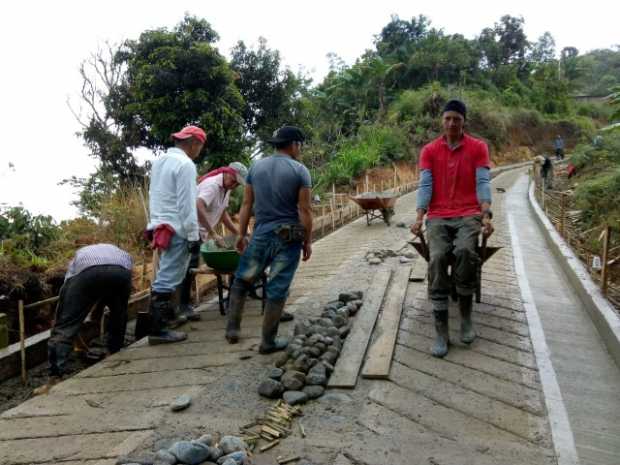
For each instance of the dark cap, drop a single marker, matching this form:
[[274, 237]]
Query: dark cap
[[456, 105], [287, 134]]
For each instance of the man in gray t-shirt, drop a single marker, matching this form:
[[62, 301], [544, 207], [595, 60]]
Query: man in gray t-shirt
[[276, 181], [279, 189]]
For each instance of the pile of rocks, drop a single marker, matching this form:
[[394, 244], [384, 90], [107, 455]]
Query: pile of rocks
[[230, 450], [302, 372], [376, 257]]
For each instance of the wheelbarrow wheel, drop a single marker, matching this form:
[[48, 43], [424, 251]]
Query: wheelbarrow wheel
[[387, 214]]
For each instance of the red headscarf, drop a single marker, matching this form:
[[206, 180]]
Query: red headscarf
[[215, 172]]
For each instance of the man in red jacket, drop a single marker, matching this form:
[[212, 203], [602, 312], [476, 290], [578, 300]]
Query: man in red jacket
[[455, 195]]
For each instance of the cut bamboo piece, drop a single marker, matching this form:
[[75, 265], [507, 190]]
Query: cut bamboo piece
[[269, 445], [283, 461]]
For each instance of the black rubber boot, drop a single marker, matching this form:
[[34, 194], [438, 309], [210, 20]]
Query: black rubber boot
[[468, 334], [442, 337], [286, 316], [271, 321], [160, 308], [236, 301]]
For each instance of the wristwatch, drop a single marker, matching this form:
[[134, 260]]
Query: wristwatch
[[488, 213]]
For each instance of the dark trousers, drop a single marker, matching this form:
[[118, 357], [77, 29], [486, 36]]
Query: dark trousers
[[452, 241], [108, 285]]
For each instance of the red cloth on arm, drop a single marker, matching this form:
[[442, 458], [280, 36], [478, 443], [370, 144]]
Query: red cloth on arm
[[454, 175], [215, 172], [161, 236]]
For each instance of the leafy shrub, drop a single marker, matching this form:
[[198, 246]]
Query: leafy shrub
[[374, 144], [595, 196]]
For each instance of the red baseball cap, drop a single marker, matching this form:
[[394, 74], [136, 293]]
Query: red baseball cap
[[191, 131]]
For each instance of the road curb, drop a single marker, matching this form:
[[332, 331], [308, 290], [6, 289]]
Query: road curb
[[561, 431], [600, 310]]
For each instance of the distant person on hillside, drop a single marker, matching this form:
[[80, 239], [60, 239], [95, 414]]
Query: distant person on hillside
[[455, 196], [174, 226], [546, 172], [99, 273], [559, 147], [279, 188], [213, 195]]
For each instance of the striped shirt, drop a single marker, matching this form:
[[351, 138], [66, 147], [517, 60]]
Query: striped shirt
[[98, 254]]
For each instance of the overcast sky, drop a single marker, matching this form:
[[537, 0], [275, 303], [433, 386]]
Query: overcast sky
[[43, 42]]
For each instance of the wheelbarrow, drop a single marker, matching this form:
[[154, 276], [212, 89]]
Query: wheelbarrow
[[376, 205], [484, 252], [222, 263]]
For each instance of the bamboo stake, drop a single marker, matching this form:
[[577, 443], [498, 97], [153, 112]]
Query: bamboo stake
[[604, 274], [270, 445], [395, 175], [155, 265], [22, 341], [332, 205], [143, 276]]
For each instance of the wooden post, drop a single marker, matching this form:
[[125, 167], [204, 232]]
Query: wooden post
[[322, 220], [562, 212], [395, 175], [22, 340], [333, 212], [604, 274], [366, 182]]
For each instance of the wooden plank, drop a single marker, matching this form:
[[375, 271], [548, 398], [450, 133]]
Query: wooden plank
[[381, 350], [350, 360], [418, 270]]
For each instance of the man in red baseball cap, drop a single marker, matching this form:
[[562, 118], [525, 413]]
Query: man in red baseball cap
[[172, 197]]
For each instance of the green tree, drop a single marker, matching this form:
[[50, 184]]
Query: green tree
[[543, 51], [175, 78], [270, 92]]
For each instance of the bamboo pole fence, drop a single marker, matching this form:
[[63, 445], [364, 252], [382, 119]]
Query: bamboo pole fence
[[598, 248], [337, 211]]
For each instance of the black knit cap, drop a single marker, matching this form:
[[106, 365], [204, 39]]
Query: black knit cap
[[456, 105], [287, 134]]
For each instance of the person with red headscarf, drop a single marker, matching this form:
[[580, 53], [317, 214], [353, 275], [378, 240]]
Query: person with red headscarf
[[212, 202]]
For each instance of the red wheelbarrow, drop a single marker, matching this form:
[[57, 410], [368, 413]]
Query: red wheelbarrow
[[376, 205]]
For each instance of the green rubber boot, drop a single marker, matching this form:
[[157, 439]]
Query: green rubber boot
[[271, 321], [442, 337], [468, 334]]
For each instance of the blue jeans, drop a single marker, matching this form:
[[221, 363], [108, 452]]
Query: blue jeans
[[282, 258], [173, 263]]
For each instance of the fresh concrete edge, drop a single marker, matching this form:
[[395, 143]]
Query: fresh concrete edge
[[601, 312], [561, 432]]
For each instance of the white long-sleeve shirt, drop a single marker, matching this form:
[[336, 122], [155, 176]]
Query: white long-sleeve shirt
[[172, 195]]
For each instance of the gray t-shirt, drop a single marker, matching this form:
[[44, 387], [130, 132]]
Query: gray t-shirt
[[276, 181]]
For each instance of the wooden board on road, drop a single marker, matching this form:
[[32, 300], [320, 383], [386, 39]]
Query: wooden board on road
[[381, 349], [354, 349], [418, 270]]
